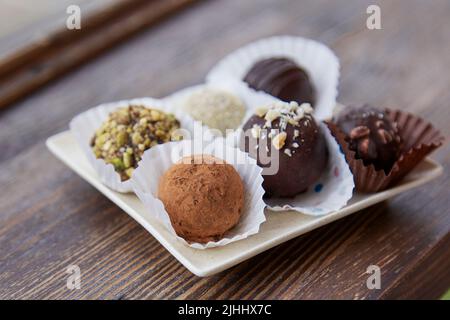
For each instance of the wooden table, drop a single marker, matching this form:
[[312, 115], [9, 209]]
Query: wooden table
[[50, 218]]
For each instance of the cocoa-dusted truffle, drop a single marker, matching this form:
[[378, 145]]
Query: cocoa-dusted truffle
[[282, 78], [204, 197], [291, 131], [128, 132], [372, 135]]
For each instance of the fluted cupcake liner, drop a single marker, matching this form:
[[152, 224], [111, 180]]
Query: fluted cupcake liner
[[316, 58], [84, 125], [419, 137], [157, 160]]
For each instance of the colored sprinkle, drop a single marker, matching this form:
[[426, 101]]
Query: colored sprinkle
[[318, 187], [336, 171]]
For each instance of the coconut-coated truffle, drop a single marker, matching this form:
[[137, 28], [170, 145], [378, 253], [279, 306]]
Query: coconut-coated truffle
[[215, 108]]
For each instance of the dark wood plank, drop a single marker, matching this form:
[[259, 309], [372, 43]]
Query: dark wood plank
[[48, 57], [31, 22], [50, 218]]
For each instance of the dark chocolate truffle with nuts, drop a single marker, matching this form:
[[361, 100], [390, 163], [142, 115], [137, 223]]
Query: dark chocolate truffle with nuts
[[287, 134], [372, 135], [282, 78]]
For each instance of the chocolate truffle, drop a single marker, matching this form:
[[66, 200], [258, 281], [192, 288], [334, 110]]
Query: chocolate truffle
[[128, 132], [217, 109], [291, 131], [204, 197], [283, 79], [372, 135]]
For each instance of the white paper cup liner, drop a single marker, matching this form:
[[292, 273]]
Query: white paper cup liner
[[250, 98], [84, 125], [329, 193], [317, 59], [157, 160]]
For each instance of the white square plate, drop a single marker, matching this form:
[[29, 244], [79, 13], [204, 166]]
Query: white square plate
[[278, 228]]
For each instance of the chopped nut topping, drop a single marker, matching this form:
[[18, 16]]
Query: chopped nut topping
[[288, 152], [289, 113], [385, 136], [293, 122], [359, 132], [260, 112], [256, 131], [279, 140], [364, 146], [272, 133], [379, 123], [307, 107], [271, 115], [128, 132], [299, 114]]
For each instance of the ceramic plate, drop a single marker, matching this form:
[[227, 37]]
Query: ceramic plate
[[279, 227]]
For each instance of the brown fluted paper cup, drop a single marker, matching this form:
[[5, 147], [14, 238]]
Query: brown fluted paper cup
[[419, 137]]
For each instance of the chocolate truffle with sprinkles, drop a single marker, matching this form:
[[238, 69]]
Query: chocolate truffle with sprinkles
[[282, 78], [372, 135], [286, 134]]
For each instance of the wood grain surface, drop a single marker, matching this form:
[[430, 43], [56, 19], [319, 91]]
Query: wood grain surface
[[50, 218], [103, 24]]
